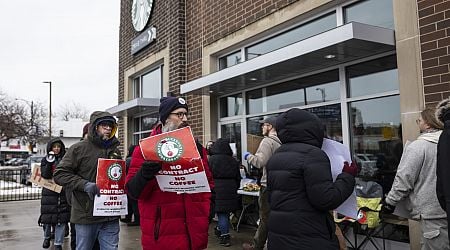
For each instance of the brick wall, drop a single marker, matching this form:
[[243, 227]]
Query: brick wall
[[169, 19], [206, 22], [187, 26], [434, 28]]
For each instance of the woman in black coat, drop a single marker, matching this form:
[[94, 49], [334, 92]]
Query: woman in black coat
[[54, 208], [227, 178], [301, 189], [443, 158]]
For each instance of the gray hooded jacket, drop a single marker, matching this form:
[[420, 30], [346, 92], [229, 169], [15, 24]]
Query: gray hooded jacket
[[416, 178], [266, 149]]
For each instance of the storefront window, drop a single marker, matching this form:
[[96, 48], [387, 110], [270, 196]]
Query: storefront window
[[231, 105], [323, 93], [255, 102], [229, 60], [331, 119], [137, 87], [143, 126], [373, 77], [358, 12], [285, 95], [232, 132], [152, 84], [376, 140], [376, 146], [299, 33]]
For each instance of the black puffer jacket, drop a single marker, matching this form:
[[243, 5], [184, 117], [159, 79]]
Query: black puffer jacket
[[227, 178], [301, 189], [443, 158], [54, 207]]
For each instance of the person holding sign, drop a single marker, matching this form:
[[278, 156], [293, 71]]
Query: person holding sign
[[54, 208], [301, 187], [169, 220], [78, 170]]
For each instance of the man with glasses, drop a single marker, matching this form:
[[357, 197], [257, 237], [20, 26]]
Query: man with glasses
[[266, 148], [78, 171], [169, 220]]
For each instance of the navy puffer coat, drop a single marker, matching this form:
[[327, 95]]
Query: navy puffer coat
[[227, 178], [54, 206], [301, 189]]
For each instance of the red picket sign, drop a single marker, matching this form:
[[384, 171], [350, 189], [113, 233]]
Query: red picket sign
[[111, 182], [182, 167]]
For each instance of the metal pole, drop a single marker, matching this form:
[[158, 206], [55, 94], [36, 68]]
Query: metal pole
[[50, 111], [32, 115], [50, 115], [32, 128]]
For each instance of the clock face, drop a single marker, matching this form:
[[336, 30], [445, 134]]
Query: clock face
[[140, 13]]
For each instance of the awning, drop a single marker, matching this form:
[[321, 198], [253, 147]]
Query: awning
[[342, 44], [135, 106]]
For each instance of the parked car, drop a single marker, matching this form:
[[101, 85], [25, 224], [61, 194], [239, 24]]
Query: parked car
[[30, 162], [19, 162], [11, 161]]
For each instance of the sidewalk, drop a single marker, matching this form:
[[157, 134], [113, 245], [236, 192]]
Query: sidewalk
[[19, 230]]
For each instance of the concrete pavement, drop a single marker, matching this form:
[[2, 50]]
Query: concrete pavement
[[19, 230]]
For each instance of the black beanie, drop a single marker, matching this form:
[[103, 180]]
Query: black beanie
[[169, 104]]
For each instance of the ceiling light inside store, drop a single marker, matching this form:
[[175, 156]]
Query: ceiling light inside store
[[253, 79], [330, 56]]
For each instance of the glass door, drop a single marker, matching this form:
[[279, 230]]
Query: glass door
[[232, 132]]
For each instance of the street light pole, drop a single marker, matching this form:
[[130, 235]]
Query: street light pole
[[50, 111], [322, 91]]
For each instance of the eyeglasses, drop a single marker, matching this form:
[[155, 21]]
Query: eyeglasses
[[106, 125], [418, 121], [181, 114]]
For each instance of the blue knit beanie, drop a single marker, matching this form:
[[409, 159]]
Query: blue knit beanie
[[169, 104]]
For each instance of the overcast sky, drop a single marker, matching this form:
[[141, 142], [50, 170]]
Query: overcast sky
[[74, 44]]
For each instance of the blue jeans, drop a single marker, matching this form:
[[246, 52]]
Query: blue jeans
[[223, 223], [59, 233], [106, 232]]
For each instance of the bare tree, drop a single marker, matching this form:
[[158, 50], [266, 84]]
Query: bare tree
[[20, 121], [72, 111]]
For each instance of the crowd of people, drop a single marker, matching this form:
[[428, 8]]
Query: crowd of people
[[297, 192]]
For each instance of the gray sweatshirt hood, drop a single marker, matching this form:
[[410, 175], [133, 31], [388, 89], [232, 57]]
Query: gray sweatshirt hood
[[431, 136]]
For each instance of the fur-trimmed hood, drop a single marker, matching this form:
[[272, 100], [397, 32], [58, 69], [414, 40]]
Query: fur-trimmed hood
[[443, 110]]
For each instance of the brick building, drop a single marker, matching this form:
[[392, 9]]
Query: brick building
[[366, 68]]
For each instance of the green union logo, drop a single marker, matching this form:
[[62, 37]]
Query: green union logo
[[115, 172], [169, 149]]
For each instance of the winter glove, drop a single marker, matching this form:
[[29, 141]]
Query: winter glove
[[149, 169], [387, 208], [91, 189], [246, 154], [350, 169]]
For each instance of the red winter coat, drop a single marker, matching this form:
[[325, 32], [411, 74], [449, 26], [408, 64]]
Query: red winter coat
[[170, 220]]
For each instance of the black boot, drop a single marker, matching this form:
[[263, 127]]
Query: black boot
[[46, 243], [225, 240], [58, 247], [217, 232]]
